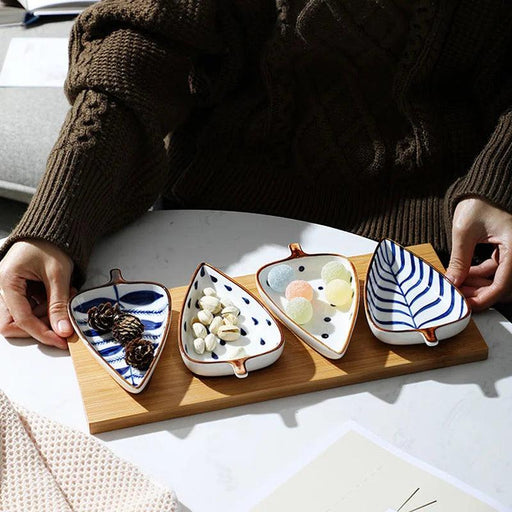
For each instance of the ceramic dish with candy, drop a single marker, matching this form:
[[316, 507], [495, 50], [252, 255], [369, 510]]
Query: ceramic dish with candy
[[407, 301], [225, 329], [124, 324], [315, 295]]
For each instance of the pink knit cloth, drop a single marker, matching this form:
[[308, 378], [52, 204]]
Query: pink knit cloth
[[47, 467]]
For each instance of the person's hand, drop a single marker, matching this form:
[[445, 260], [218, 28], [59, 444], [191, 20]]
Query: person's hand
[[474, 222], [35, 281]]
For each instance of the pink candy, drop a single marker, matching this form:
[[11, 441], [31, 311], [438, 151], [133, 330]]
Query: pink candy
[[299, 289]]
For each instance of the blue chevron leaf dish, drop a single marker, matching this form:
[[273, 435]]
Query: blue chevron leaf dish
[[407, 301], [150, 302]]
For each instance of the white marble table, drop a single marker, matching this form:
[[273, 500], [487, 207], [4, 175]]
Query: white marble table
[[458, 419]]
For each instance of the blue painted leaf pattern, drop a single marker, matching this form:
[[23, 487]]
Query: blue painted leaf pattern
[[151, 326], [110, 351], [141, 297], [149, 303], [90, 333], [85, 306], [403, 292]]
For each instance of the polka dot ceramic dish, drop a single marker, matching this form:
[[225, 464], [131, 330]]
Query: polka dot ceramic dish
[[150, 302], [408, 301], [261, 341], [330, 329]]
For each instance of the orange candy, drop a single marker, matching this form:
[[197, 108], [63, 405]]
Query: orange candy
[[299, 288]]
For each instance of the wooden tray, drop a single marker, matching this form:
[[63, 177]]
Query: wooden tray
[[174, 391]]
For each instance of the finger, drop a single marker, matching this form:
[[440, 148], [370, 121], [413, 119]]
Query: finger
[[7, 326], [46, 321], [476, 282], [475, 304], [463, 247], [21, 312], [57, 290], [500, 288], [13, 331], [468, 291], [486, 269], [41, 309]]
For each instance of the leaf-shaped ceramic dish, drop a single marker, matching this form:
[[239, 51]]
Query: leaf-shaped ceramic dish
[[408, 301], [330, 329], [150, 302], [260, 344]]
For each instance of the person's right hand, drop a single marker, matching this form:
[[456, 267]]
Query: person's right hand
[[35, 279]]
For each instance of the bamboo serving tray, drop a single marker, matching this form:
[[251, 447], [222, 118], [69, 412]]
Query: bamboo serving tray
[[174, 391]]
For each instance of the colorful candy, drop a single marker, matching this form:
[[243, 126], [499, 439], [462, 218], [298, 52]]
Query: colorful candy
[[299, 310], [300, 295], [279, 277], [338, 292], [334, 270], [299, 288]]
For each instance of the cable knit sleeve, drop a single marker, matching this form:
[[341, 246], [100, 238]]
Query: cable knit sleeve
[[128, 84], [490, 176]]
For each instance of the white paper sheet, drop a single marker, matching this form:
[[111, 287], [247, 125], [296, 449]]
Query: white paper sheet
[[53, 5], [360, 473], [35, 62]]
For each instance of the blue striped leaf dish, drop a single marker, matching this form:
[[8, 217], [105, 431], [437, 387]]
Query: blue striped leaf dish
[[150, 302], [261, 340], [407, 301], [330, 329]]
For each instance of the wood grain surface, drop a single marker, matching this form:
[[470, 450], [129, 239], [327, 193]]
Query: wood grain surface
[[174, 391]]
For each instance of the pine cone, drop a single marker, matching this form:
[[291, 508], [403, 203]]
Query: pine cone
[[127, 328], [139, 353], [101, 318]]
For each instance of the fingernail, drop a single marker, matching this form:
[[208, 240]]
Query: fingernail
[[64, 326]]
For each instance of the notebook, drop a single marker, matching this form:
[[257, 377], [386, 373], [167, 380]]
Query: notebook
[[362, 473], [55, 7]]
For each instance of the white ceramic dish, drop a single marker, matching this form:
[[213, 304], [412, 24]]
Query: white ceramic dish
[[407, 301], [262, 339], [330, 329], [150, 302]]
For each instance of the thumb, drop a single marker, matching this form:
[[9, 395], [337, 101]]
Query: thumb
[[463, 247], [57, 290]]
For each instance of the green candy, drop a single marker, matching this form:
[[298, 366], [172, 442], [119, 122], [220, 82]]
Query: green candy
[[334, 270], [299, 310]]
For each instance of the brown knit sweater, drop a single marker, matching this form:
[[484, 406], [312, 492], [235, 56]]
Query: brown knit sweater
[[374, 116]]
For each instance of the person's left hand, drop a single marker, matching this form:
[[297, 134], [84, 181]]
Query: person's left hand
[[476, 221]]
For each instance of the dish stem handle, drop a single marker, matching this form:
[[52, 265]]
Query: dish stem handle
[[116, 277], [296, 250], [429, 335], [239, 368]]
